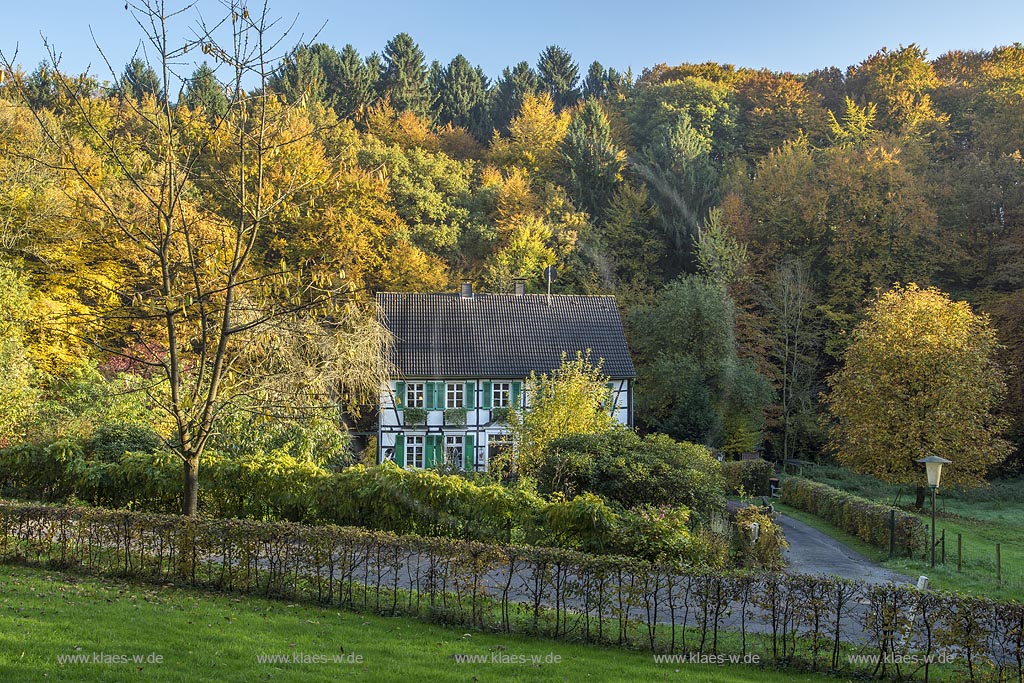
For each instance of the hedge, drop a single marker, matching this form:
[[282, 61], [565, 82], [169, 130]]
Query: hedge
[[867, 520], [810, 622], [386, 498], [752, 476]]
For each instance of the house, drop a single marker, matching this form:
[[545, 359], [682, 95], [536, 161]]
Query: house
[[462, 359]]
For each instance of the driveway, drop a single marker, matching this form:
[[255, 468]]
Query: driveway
[[813, 552]]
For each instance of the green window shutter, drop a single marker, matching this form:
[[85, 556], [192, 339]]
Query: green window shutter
[[611, 395], [517, 389], [468, 452], [400, 395], [440, 395], [400, 450], [470, 396], [485, 400], [428, 398], [429, 451]]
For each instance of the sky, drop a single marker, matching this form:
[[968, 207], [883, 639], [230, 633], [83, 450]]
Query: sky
[[793, 36]]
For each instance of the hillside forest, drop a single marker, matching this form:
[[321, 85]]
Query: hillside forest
[[206, 239]]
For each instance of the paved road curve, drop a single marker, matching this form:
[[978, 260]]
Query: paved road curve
[[813, 552]]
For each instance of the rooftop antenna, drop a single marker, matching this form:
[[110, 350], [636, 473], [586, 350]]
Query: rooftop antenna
[[550, 274]]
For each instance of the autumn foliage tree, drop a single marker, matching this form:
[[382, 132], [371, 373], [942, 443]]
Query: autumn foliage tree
[[573, 399], [919, 378]]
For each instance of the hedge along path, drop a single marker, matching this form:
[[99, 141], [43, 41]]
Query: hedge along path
[[812, 621], [858, 516]]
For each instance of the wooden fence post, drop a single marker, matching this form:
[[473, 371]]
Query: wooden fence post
[[999, 564]]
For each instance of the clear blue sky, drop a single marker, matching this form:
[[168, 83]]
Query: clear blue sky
[[794, 36]]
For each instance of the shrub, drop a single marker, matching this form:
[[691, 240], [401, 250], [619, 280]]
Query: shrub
[[766, 551], [632, 472], [863, 518], [749, 475], [111, 440]]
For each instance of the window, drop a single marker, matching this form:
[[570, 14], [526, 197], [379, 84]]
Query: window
[[496, 445], [455, 395], [502, 394], [414, 451], [453, 451], [414, 395]]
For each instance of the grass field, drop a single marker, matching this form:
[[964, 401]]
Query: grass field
[[47, 615], [983, 518]]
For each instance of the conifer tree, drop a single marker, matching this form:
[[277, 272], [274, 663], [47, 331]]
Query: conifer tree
[[593, 165], [559, 75], [508, 93], [405, 80], [139, 80], [203, 90]]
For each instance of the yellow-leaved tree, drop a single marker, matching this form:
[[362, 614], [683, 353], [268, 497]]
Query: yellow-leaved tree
[[573, 399], [919, 378]]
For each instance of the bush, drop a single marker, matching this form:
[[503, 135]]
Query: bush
[[632, 472], [766, 552], [861, 517], [111, 440], [749, 475]]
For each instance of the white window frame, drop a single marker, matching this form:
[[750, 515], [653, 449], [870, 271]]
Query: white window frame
[[501, 394], [454, 450], [455, 395], [501, 440], [416, 395], [415, 444]]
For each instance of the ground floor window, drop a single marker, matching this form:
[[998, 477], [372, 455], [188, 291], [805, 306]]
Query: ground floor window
[[496, 445], [414, 451], [454, 446]]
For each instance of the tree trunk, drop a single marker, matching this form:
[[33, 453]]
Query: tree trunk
[[919, 501], [190, 498]]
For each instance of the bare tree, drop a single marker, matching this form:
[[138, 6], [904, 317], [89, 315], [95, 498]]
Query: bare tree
[[190, 198]]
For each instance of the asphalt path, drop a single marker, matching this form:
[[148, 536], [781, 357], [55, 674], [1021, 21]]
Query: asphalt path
[[814, 552]]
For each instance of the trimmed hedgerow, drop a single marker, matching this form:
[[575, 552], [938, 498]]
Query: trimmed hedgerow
[[752, 476], [268, 486], [809, 622], [867, 520]]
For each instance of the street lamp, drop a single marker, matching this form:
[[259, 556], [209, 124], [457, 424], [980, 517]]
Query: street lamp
[[933, 468]]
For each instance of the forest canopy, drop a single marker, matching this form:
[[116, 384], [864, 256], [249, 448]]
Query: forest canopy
[[764, 209]]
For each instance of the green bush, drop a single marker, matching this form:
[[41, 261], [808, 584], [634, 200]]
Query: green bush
[[111, 440], [632, 471], [861, 517], [749, 475]]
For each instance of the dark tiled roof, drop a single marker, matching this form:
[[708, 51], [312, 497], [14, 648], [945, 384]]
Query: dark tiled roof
[[502, 335]]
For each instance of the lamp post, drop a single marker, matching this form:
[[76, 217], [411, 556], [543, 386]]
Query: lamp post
[[933, 468]]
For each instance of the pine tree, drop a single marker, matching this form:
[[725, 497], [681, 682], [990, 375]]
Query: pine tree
[[593, 165], [461, 98], [203, 90], [139, 80], [355, 83], [508, 93], [404, 79], [595, 85], [559, 75], [300, 75]]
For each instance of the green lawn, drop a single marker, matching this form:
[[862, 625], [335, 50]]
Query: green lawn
[[983, 517], [45, 615]]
